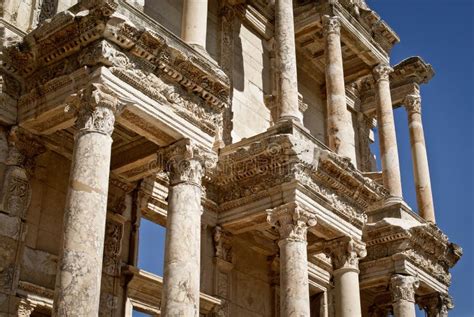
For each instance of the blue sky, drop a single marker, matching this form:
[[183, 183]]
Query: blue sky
[[441, 32]]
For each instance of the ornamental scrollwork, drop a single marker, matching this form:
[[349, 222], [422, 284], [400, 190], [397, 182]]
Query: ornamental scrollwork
[[413, 103], [95, 108], [292, 221], [345, 253], [331, 25], [382, 72], [186, 162], [403, 287]]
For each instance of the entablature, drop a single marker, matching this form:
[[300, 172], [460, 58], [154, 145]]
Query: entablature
[[145, 65], [408, 246], [366, 40], [287, 164], [405, 79]]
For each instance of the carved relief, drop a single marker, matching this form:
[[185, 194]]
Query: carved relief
[[112, 248], [382, 72], [413, 103], [331, 25], [403, 287], [223, 244], [25, 308], [185, 162], [95, 106], [292, 221], [345, 253]]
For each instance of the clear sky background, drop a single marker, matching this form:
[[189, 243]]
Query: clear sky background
[[441, 32]]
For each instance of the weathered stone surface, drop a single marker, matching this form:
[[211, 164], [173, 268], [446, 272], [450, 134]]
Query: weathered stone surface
[[290, 108]]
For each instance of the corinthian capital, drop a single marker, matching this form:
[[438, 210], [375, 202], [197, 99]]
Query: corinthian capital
[[345, 253], [436, 304], [331, 24], [403, 287], [186, 162], [292, 221], [382, 72], [95, 107], [413, 103]]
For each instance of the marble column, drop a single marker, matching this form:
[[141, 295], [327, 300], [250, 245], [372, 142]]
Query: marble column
[[185, 164], [292, 223], [286, 62], [387, 135], [421, 171], [436, 305], [194, 23], [339, 120], [345, 254], [78, 281], [402, 288]]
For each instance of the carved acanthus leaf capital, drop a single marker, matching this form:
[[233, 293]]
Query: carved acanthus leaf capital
[[403, 287], [413, 103], [292, 221], [436, 304], [25, 308], [382, 72], [186, 162], [95, 107], [345, 253], [331, 25]]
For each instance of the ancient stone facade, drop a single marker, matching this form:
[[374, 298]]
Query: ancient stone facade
[[243, 127]]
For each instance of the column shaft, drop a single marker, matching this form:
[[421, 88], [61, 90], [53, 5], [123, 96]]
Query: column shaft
[[77, 291], [182, 252], [184, 162], [194, 22], [286, 56], [294, 284], [347, 293], [421, 170], [339, 125], [387, 134]]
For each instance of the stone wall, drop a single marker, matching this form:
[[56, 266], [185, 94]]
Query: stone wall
[[314, 116], [251, 294], [251, 79]]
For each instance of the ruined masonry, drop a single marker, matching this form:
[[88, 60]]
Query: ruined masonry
[[242, 126]]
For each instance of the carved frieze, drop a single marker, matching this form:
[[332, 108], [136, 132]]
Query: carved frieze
[[151, 61]]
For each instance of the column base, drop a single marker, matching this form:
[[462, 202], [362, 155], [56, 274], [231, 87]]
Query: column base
[[392, 200]]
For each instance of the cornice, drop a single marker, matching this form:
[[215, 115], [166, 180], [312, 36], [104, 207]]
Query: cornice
[[421, 243]]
